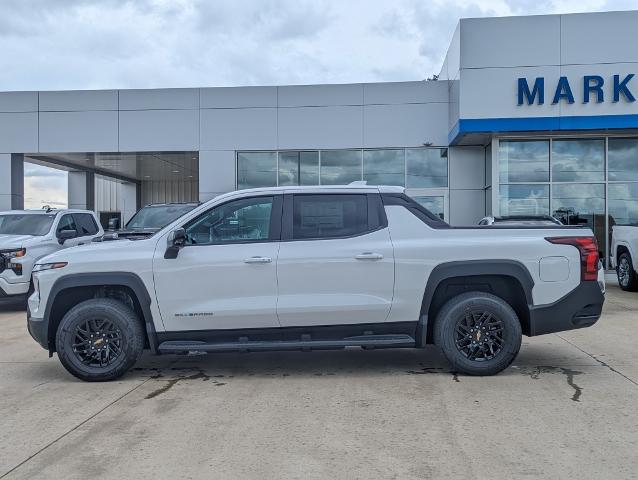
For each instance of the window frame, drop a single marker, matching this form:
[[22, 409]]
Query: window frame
[[274, 232], [377, 219]]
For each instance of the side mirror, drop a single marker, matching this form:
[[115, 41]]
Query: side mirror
[[64, 235], [174, 242]]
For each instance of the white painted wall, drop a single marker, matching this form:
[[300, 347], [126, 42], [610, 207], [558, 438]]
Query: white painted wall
[[467, 185], [5, 181], [77, 192]]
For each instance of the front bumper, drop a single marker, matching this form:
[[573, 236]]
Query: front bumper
[[9, 289], [578, 309], [38, 329]]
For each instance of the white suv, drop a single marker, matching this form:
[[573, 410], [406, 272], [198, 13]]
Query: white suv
[[28, 235], [314, 268]]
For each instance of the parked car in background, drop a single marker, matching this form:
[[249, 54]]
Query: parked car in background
[[532, 220], [28, 235], [623, 255], [151, 219], [314, 268]]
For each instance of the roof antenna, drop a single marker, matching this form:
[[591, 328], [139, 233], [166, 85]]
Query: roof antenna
[[48, 208]]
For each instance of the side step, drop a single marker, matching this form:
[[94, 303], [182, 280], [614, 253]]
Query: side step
[[304, 343]]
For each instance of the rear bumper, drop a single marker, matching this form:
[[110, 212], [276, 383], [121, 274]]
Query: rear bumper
[[578, 309], [38, 329]]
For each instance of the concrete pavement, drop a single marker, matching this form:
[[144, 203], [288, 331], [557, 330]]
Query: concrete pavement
[[567, 408]]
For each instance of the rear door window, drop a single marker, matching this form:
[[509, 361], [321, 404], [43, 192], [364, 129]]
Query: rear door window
[[329, 216]]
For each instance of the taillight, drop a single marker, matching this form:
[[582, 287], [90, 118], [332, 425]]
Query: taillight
[[588, 248]]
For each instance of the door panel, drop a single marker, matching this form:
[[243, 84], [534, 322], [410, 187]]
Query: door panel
[[226, 275], [217, 287], [334, 281]]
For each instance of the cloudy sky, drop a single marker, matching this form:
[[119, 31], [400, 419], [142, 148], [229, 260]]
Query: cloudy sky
[[84, 44]]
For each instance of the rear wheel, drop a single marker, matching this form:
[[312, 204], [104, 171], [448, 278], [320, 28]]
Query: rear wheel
[[480, 333], [99, 340], [627, 277]]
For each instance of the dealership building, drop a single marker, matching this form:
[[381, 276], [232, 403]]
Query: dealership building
[[529, 115]]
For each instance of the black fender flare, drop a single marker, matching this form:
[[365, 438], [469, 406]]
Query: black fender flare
[[127, 279], [443, 271]]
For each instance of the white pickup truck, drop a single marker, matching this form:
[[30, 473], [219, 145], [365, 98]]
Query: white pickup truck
[[314, 268], [28, 235], [624, 255]]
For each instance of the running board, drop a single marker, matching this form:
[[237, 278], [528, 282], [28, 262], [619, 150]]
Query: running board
[[304, 343]]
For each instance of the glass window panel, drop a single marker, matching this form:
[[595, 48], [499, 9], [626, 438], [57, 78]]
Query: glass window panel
[[256, 169], [340, 167], [524, 199], [309, 168], [426, 167], [288, 168], [523, 161], [329, 216], [298, 168], [435, 204], [384, 167], [623, 159], [578, 160], [66, 223], [581, 204], [244, 220], [86, 224], [623, 203]]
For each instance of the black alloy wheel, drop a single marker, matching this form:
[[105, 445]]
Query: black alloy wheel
[[479, 333], [97, 343], [99, 339]]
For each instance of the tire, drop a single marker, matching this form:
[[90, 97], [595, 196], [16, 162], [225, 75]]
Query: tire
[[117, 340], [627, 277], [455, 330]]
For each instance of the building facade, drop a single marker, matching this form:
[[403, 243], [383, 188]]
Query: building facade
[[529, 115]]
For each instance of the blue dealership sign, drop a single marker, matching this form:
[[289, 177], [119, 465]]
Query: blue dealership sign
[[593, 87]]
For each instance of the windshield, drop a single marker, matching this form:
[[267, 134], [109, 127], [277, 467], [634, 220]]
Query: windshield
[[158, 216], [26, 224]]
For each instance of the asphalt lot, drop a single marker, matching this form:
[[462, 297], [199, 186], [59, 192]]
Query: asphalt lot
[[567, 408]]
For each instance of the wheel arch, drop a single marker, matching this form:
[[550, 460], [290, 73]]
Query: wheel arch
[[508, 279], [83, 286], [623, 247]]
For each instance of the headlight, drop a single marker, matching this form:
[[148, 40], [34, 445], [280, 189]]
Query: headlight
[[40, 267], [17, 253]]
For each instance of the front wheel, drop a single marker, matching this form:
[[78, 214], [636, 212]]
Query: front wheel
[[99, 340], [480, 333], [627, 277]]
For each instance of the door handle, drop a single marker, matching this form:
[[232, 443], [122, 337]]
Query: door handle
[[258, 260], [369, 256]]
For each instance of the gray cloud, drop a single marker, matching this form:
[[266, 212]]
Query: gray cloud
[[81, 44], [66, 44]]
